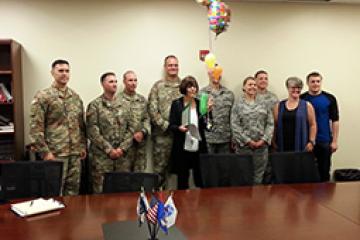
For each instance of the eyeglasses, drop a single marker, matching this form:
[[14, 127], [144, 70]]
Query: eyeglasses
[[293, 89]]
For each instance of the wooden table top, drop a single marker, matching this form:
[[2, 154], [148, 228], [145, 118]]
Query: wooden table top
[[308, 211], [342, 198]]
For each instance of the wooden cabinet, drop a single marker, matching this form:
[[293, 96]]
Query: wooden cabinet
[[11, 101]]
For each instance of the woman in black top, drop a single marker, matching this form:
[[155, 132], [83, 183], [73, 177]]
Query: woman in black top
[[187, 145]]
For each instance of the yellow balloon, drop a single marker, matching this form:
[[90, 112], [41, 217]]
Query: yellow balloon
[[210, 60]]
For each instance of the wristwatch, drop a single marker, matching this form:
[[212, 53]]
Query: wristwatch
[[312, 142]]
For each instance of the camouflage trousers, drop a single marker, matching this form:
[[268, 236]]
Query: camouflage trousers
[[101, 164], [260, 160], [71, 174], [218, 147], [135, 158], [161, 149]]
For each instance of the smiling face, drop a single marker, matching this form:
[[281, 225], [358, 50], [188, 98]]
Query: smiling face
[[250, 87], [171, 67], [262, 81], [294, 92], [191, 91], [61, 74], [314, 84]]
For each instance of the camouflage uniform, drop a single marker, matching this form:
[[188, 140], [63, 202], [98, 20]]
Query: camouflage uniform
[[219, 137], [160, 98], [139, 121], [270, 99], [253, 121], [108, 128], [57, 126]]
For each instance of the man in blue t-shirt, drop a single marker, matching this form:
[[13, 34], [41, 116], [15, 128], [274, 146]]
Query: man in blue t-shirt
[[327, 119]]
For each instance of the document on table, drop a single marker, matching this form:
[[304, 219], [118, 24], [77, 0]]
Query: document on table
[[36, 206]]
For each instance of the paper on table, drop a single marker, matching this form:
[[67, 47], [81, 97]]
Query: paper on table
[[36, 206]]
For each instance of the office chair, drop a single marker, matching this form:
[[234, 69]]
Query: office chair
[[223, 170], [23, 179], [294, 167], [129, 182]]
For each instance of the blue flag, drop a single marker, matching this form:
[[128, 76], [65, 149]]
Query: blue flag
[[161, 217]]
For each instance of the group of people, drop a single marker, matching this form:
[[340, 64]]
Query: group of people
[[118, 124]]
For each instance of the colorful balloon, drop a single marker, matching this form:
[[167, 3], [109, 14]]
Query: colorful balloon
[[217, 72], [218, 15], [210, 60]]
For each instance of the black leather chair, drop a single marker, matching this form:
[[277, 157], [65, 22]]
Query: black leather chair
[[223, 170], [129, 182], [23, 179], [294, 167]]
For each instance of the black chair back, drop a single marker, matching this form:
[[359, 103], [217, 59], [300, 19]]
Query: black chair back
[[294, 167], [129, 182], [23, 179], [223, 170]]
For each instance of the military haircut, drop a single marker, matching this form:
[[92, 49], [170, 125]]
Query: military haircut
[[59, 62], [127, 72], [169, 56], [188, 81], [260, 72], [313, 74], [103, 76]]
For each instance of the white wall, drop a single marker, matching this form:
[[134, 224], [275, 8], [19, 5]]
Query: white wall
[[98, 36]]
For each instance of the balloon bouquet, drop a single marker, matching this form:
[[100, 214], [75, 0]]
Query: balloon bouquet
[[219, 19]]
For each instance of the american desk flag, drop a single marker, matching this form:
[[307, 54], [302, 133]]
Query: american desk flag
[[158, 215], [153, 210]]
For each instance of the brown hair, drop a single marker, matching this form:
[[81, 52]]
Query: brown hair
[[169, 56], [313, 74], [188, 81]]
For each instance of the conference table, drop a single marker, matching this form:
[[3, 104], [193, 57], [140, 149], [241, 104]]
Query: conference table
[[296, 211]]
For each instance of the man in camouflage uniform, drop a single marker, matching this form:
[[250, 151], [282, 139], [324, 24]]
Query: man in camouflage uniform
[[57, 128], [218, 137], [107, 121], [139, 122], [270, 100], [263, 94], [161, 96]]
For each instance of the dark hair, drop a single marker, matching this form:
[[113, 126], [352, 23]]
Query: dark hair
[[188, 81], [169, 56], [313, 74], [260, 72], [103, 76], [58, 62]]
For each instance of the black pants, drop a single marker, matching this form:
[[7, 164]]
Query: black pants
[[322, 152], [190, 161]]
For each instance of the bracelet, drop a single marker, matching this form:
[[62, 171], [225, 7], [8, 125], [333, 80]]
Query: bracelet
[[312, 142]]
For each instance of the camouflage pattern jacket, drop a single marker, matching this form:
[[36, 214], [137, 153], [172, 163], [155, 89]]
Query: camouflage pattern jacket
[[160, 98], [139, 116], [223, 102], [269, 98], [251, 121], [57, 122], [107, 125]]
